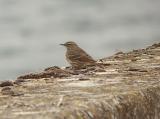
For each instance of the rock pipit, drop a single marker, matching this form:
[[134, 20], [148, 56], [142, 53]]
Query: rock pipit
[[77, 57]]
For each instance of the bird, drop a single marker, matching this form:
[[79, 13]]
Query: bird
[[77, 57]]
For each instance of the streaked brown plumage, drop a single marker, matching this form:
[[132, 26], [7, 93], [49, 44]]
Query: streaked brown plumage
[[77, 57]]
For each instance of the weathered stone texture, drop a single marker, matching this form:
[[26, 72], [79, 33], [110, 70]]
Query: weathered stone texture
[[129, 88]]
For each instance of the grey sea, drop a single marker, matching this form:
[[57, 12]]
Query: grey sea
[[31, 30]]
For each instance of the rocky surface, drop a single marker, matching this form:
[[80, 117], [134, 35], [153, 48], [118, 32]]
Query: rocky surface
[[127, 87]]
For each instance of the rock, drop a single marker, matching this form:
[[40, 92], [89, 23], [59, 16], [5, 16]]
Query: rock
[[7, 91], [125, 90], [50, 72], [52, 68], [6, 83], [83, 79], [19, 81]]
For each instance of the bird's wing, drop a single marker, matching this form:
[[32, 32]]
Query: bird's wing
[[81, 56]]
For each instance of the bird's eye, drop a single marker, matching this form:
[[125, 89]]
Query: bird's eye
[[69, 43]]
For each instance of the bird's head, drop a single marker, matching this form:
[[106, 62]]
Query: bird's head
[[69, 44]]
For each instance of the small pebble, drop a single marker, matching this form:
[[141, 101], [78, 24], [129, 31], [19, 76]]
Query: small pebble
[[7, 91], [83, 79], [18, 81], [6, 83]]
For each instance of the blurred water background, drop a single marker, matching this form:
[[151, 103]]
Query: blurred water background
[[31, 30]]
